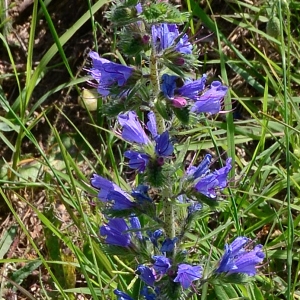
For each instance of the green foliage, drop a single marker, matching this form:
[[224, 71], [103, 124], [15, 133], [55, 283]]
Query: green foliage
[[182, 114], [155, 174], [163, 12], [134, 40], [273, 27], [7, 240], [122, 15]]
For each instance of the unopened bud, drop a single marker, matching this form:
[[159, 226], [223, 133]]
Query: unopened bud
[[88, 99], [179, 61], [145, 39], [160, 161], [179, 102]]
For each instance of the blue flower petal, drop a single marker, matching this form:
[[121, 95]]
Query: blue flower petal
[[163, 145], [132, 129], [187, 273], [115, 232], [137, 161]]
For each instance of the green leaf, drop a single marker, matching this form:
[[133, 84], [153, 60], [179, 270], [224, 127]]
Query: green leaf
[[163, 12], [25, 271], [7, 239], [225, 292]]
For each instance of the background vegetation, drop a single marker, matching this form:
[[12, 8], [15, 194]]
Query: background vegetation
[[50, 145]]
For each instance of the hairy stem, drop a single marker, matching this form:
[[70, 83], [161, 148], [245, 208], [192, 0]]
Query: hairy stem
[[169, 218], [154, 78]]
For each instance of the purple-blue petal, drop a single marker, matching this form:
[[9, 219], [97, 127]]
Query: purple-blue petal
[[115, 232], [164, 36], [161, 264], [238, 244], [140, 193], [238, 259], [137, 161], [135, 224], [168, 85], [247, 262], [105, 187], [154, 236], [132, 129], [121, 295], [139, 8], [194, 207], [192, 88], [151, 124], [120, 200], [210, 101], [202, 168], [163, 145], [146, 274], [184, 46], [217, 180], [108, 73], [187, 273], [168, 245]]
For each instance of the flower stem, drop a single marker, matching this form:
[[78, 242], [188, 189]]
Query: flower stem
[[169, 218], [154, 78]]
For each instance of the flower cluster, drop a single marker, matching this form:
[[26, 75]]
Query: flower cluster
[[149, 224], [133, 132]]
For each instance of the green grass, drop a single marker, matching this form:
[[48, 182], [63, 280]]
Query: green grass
[[263, 201]]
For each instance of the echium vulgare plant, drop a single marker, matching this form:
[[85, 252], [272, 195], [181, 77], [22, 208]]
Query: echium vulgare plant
[[152, 98]]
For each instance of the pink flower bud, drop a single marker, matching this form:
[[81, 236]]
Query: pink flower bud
[[145, 39], [179, 61], [160, 161], [179, 102]]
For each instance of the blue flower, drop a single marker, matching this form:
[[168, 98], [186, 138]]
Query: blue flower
[[202, 169], [210, 101], [168, 245], [208, 184], [192, 88], [139, 8], [168, 85], [105, 186], [116, 232], [140, 193], [163, 145], [137, 161], [151, 124], [194, 207], [187, 273], [133, 132], [132, 129], [135, 224], [108, 73], [164, 36], [154, 236], [121, 201], [122, 296], [161, 264], [237, 259], [146, 274]]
